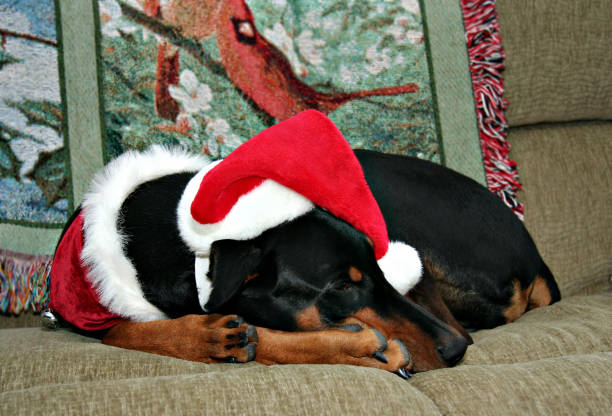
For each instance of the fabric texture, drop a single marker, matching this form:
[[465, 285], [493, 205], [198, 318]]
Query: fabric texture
[[487, 63], [558, 60], [570, 385], [565, 170], [575, 326], [553, 361]]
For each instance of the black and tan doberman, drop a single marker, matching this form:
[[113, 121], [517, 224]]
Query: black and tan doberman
[[310, 290]]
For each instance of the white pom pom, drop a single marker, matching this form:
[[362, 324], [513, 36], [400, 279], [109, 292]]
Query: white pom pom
[[402, 266]]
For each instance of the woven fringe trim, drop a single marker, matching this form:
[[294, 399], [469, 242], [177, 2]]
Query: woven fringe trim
[[24, 282], [487, 58]]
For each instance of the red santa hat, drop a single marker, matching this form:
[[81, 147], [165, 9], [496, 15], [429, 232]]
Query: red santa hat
[[276, 176], [280, 174]]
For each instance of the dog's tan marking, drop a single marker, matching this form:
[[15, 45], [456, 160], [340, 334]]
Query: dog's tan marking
[[421, 346], [251, 277], [433, 269], [518, 303], [207, 338], [309, 318], [355, 274], [327, 346], [204, 338], [539, 294]]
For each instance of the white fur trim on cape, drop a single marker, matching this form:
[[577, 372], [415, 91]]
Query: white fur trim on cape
[[402, 266], [111, 272]]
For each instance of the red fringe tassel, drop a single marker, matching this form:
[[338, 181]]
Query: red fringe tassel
[[487, 58]]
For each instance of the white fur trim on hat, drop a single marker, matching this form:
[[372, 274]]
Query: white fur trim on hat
[[110, 271], [264, 207], [402, 266]]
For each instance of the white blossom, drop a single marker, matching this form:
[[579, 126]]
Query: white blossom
[[222, 141], [193, 95], [378, 61], [402, 33], [111, 18], [412, 6], [309, 47]]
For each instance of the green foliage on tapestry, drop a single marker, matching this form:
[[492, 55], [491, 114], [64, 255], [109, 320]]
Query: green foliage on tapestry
[[6, 58], [48, 172], [333, 46], [367, 44], [131, 121]]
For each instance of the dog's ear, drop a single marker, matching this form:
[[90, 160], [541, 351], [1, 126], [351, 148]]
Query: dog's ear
[[232, 262]]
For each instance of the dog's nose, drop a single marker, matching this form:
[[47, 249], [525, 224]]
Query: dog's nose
[[452, 352]]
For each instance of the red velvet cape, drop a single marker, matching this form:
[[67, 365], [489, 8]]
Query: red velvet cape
[[71, 294]]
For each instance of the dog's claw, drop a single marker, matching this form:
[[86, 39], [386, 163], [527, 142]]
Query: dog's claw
[[381, 357], [235, 323], [403, 373]]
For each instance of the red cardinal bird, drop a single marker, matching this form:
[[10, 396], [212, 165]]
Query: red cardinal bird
[[265, 75], [255, 65]]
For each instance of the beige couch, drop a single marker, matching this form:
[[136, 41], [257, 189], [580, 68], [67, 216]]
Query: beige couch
[[553, 360]]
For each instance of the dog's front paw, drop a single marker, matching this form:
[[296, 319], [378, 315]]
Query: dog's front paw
[[368, 347], [240, 340], [223, 338], [391, 355]]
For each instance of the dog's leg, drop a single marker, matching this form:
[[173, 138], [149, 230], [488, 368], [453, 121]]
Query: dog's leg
[[206, 338], [365, 347], [217, 338]]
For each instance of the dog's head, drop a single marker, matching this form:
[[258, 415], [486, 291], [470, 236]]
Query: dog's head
[[318, 272]]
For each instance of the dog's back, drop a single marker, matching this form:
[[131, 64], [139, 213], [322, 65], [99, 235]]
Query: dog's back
[[484, 261]]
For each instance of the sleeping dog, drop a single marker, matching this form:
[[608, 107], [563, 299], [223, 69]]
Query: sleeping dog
[[310, 287]]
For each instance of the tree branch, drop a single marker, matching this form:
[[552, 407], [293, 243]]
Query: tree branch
[[6, 32], [173, 35]]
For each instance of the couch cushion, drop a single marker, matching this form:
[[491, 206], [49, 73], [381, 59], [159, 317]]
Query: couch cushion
[[565, 172], [558, 59], [570, 385], [35, 356], [575, 325], [64, 373], [23, 320]]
